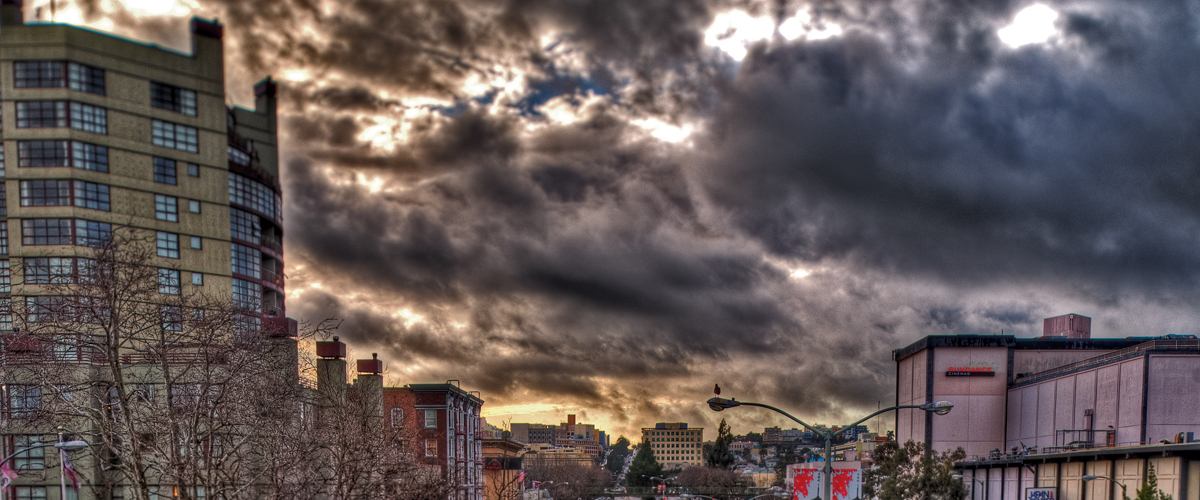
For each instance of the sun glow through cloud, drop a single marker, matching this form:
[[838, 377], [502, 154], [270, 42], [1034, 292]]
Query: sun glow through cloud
[[733, 32], [1033, 24], [802, 26]]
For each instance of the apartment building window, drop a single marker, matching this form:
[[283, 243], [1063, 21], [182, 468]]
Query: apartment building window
[[1, 161], [3, 239], [197, 243], [24, 400], [245, 226], [49, 270], [193, 170], [90, 233], [91, 195], [194, 206], [247, 261], [173, 98], [41, 114], [34, 459], [5, 277], [164, 171], [247, 295], [89, 156], [174, 136], [46, 193], [172, 316], [166, 208], [43, 153], [51, 114], [168, 281], [198, 279], [167, 244], [430, 419], [30, 492], [85, 78], [43, 307], [81, 155], [253, 195], [431, 447], [397, 417], [59, 232], [37, 74], [89, 118], [238, 156]]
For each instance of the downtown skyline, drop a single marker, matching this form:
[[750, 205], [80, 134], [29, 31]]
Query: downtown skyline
[[604, 208]]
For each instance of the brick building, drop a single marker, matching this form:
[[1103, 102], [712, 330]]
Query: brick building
[[440, 422]]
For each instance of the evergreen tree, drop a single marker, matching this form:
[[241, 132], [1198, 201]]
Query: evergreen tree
[[721, 457], [644, 467], [906, 472], [1149, 489], [616, 456], [788, 454]]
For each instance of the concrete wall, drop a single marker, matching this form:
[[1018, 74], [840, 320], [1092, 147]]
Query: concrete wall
[[977, 421], [1113, 392], [910, 389], [1173, 405], [1038, 360]]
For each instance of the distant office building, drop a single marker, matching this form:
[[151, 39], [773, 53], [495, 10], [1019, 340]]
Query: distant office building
[[674, 444], [1043, 412], [534, 433]]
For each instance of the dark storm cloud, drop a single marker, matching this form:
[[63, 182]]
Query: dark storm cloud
[[932, 179], [1039, 164]]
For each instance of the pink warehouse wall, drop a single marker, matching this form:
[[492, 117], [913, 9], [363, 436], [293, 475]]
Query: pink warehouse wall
[[1113, 392], [1173, 406], [977, 421]]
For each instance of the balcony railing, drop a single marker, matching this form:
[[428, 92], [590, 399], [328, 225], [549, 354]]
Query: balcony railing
[[272, 244], [273, 278]]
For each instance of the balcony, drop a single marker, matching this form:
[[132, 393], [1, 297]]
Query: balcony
[[272, 244], [272, 278]]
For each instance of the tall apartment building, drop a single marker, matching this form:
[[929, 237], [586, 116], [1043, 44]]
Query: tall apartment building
[[675, 444], [99, 133]]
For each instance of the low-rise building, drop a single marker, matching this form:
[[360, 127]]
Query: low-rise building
[[1044, 412]]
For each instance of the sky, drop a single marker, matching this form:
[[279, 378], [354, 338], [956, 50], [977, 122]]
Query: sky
[[605, 207]]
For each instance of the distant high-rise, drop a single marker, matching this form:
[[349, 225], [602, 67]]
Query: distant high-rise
[[675, 444]]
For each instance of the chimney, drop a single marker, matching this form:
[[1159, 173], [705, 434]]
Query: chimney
[[370, 384], [570, 419], [1071, 326], [331, 372], [10, 13]]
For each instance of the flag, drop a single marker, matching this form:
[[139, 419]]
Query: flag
[[537, 485], [7, 475], [521, 478], [69, 471]]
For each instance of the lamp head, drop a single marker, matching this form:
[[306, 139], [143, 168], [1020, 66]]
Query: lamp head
[[1090, 477], [956, 476], [71, 445], [718, 404], [940, 407]]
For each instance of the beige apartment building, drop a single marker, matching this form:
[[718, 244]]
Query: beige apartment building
[[99, 133], [675, 444]]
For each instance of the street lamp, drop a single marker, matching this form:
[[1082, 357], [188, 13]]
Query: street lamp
[[980, 481], [61, 445], [940, 408], [1124, 491]]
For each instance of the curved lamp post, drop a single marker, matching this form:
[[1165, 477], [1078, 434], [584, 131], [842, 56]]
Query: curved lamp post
[[1124, 491], [61, 445], [719, 404], [977, 480]]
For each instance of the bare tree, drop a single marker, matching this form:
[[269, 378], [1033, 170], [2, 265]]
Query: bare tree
[[174, 390]]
